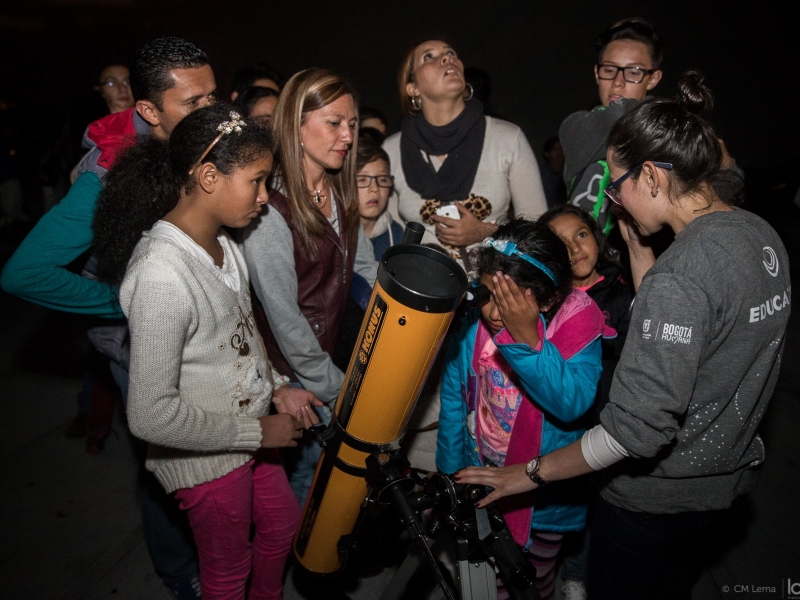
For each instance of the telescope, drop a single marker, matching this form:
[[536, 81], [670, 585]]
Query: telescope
[[417, 293], [415, 296]]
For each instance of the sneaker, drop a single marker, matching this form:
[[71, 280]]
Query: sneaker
[[574, 590], [187, 590]]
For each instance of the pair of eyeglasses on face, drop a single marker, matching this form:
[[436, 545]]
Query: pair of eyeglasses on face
[[115, 83], [629, 74], [612, 191], [384, 181]]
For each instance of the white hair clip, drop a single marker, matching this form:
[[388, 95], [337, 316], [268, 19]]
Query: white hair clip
[[235, 124]]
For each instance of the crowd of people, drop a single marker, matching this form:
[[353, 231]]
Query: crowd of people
[[233, 246]]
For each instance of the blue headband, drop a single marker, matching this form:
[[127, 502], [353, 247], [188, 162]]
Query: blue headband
[[509, 248]]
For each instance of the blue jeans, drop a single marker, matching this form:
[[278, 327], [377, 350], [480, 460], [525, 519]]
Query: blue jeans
[[637, 556], [166, 527]]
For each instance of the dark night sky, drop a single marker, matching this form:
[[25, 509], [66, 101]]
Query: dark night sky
[[539, 55]]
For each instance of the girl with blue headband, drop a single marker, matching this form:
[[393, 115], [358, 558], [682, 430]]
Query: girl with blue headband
[[520, 373]]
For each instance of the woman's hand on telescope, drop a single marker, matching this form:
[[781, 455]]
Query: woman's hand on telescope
[[506, 481], [297, 402]]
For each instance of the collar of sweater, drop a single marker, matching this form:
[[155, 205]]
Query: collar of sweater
[[382, 224]]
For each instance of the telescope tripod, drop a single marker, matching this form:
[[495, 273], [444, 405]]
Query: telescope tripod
[[483, 543]]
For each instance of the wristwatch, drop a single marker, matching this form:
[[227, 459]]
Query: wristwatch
[[532, 471]]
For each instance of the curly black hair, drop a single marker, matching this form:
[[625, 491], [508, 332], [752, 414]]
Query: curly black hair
[[147, 180], [537, 241]]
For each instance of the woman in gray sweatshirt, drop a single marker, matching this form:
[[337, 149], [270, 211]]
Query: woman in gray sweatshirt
[[700, 362]]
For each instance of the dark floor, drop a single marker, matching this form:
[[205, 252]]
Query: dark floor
[[70, 522]]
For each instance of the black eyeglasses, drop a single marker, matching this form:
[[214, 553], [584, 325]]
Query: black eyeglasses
[[612, 191], [384, 181], [630, 74]]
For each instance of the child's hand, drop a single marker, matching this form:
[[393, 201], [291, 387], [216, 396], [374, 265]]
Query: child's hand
[[518, 309], [280, 431], [297, 402]]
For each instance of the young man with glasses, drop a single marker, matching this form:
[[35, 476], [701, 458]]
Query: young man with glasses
[[629, 56]]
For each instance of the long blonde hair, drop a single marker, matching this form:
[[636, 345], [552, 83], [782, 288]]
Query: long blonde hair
[[307, 91]]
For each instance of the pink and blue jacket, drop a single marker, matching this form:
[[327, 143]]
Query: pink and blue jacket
[[559, 377]]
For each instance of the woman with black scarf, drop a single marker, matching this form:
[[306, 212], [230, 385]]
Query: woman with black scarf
[[450, 154]]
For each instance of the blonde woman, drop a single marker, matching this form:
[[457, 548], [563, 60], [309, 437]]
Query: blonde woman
[[302, 254]]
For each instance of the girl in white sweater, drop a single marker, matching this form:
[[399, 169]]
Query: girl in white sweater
[[201, 383]]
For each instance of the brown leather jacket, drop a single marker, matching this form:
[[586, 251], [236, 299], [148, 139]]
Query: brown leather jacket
[[323, 284]]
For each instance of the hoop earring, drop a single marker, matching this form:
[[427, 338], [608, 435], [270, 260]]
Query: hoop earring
[[471, 93], [416, 102]]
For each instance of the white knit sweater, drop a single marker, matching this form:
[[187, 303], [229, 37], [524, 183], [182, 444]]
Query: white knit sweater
[[507, 176], [199, 376]]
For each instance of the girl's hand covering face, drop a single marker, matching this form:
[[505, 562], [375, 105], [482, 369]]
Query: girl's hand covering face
[[518, 309]]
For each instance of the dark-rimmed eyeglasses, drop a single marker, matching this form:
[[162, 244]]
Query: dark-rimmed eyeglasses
[[612, 191], [630, 74], [384, 181]]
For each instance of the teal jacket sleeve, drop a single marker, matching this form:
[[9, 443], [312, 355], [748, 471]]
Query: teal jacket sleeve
[[453, 448], [37, 270], [562, 388]]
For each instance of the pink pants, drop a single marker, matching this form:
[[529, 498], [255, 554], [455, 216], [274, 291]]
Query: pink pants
[[221, 512]]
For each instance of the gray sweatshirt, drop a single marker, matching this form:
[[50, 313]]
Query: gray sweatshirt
[[699, 366]]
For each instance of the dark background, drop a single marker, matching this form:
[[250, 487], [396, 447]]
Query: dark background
[[538, 54]]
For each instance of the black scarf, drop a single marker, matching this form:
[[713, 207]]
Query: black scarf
[[461, 140]]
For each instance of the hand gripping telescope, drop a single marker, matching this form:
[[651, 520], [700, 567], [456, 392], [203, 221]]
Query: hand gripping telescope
[[416, 294]]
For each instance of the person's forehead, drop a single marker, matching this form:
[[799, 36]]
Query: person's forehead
[[378, 164], [344, 107], [114, 71], [627, 52], [432, 45], [267, 83], [192, 80]]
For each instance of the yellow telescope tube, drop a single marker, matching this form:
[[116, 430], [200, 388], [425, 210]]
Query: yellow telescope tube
[[409, 312]]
